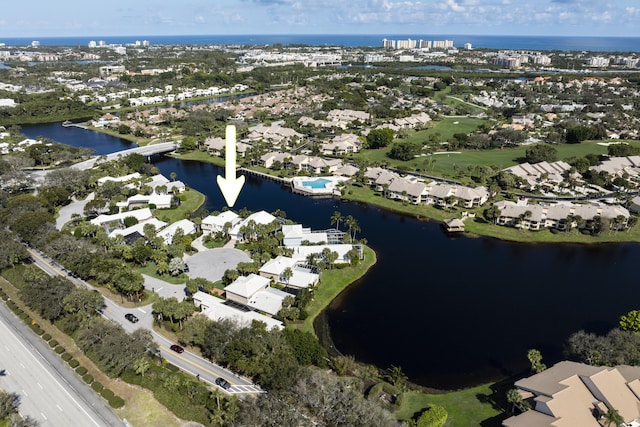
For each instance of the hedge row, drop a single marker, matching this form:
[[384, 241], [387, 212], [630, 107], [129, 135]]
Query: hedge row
[[114, 400]]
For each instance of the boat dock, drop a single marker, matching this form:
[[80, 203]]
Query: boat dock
[[282, 180], [68, 124]]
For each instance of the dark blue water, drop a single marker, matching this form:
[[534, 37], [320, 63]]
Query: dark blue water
[[599, 44], [452, 312], [100, 143]]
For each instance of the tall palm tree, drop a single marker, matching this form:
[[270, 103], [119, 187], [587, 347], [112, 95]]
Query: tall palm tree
[[336, 217], [613, 417]]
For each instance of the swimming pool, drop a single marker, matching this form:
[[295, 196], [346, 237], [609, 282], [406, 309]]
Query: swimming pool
[[316, 183]]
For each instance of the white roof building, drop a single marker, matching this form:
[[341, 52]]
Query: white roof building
[[139, 228], [216, 309], [301, 252], [125, 178], [215, 223], [261, 217], [185, 225], [139, 214]]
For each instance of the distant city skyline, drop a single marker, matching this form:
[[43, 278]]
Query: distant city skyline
[[39, 18]]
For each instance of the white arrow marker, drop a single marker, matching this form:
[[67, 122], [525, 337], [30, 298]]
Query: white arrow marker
[[230, 186]]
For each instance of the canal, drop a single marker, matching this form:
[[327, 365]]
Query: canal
[[452, 312]]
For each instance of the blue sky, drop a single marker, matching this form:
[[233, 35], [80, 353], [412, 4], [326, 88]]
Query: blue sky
[[41, 18]]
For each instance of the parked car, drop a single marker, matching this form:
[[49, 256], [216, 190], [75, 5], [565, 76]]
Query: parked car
[[131, 317], [177, 348], [223, 383]]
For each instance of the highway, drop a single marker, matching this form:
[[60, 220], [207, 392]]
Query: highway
[[49, 391], [187, 361]]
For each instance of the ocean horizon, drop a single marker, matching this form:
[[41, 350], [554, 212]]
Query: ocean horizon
[[545, 43]]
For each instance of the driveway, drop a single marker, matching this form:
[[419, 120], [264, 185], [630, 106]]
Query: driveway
[[212, 263], [75, 207]]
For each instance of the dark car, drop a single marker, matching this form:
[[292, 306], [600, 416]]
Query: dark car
[[223, 383], [177, 348], [131, 318]]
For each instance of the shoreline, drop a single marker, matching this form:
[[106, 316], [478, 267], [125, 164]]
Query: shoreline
[[475, 227]]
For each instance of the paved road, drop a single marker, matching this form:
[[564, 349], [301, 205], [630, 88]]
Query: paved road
[[49, 391], [147, 150], [188, 362], [75, 207]]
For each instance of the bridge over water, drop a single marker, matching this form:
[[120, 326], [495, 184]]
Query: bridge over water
[[147, 150]]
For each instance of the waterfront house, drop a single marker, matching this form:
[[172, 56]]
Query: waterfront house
[[253, 291], [295, 235], [410, 191], [216, 223], [574, 394], [260, 217], [301, 277]]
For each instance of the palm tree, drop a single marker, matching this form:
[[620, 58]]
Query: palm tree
[[353, 226], [141, 365], [613, 417], [396, 377], [287, 274], [336, 217]]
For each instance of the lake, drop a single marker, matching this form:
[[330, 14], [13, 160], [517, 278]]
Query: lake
[[452, 312]]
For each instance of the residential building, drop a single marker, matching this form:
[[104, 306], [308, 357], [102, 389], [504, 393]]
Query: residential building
[[216, 223], [185, 225], [573, 394], [217, 309]]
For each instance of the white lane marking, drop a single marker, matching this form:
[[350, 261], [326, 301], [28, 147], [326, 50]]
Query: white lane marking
[[142, 310], [24, 367], [25, 393], [50, 374], [58, 406], [43, 415], [40, 385]]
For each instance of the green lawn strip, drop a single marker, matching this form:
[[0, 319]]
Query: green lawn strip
[[212, 244], [150, 270], [470, 407], [480, 227], [367, 195], [191, 201], [200, 156], [332, 283]]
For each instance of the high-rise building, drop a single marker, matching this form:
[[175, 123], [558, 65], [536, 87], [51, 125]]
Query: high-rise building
[[388, 44]]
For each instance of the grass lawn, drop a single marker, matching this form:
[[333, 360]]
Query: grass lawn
[[470, 407], [150, 270], [213, 243], [200, 156], [191, 201], [332, 283]]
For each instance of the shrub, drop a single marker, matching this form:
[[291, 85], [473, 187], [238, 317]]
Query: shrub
[[46, 337], [97, 386], [81, 370], [106, 393], [73, 363], [53, 343], [172, 368], [116, 402], [434, 416], [88, 378], [66, 357], [59, 349]]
